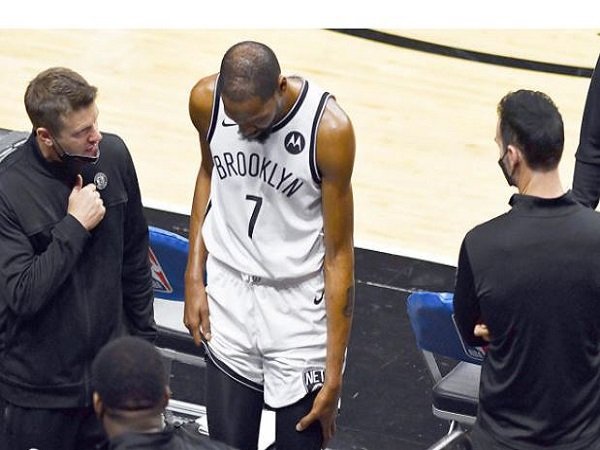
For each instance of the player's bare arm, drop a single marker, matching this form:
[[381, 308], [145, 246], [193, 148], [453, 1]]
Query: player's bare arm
[[335, 158], [195, 316]]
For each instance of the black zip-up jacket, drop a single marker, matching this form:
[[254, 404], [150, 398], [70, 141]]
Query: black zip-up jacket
[[64, 291], [586, 179]]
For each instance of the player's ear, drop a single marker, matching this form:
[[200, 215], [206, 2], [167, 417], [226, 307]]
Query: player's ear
[[282, 83]]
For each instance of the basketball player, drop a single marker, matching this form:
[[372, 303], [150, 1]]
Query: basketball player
[[272, 224], [74, 269]]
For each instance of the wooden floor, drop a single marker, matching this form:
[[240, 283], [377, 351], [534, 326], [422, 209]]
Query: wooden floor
[[426, 167]]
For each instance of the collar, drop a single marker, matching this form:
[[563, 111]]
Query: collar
[[133, 440], [58, 169], [530, 205], [295, 107]]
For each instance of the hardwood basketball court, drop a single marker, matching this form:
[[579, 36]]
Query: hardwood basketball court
[[426, 162]]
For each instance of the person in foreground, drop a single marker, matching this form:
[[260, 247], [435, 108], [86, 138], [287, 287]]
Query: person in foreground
[[131, 393], [271, 226], [74, 268], [528, 285]]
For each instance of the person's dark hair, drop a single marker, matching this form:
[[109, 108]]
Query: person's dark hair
[[129, 374], [531, 121], [249, 69], [55, 92]]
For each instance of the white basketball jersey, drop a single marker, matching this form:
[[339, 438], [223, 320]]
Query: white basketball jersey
[[264, 217]]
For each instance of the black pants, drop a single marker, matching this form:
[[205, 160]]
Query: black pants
[[234, 413], [482, 440], [52, 429]]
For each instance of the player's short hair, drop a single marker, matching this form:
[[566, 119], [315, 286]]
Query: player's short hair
[[54, 93], [531, 121], [249, 69], [129, 374]]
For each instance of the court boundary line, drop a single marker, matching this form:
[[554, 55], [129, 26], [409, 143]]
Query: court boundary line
[[462, 53]]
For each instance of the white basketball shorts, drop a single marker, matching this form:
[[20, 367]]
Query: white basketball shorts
[[271, 334]]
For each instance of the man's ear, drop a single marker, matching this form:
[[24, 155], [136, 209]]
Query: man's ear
[[514, 154], [98, 405], [282, 83], [166, 397], [44, 135]]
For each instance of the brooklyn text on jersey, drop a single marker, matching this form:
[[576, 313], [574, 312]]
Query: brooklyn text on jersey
[[257, 166]]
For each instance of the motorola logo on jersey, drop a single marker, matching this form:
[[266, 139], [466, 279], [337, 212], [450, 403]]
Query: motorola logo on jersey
[[100, 180], [294, 142]]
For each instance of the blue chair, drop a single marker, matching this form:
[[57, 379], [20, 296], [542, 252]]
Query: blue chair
[[455, 395], [168, 258]]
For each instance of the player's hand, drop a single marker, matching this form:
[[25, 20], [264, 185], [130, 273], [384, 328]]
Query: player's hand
[[324, 409], [195, 313], [85, 204], [481, 330]]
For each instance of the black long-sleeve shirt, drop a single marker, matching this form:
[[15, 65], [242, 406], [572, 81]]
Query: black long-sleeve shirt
[[532, 276], [586, 180], [64, 291]]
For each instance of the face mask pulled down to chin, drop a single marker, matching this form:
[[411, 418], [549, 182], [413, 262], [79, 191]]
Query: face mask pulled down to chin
[[75, 164]]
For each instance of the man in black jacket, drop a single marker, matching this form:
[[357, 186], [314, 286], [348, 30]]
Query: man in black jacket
[[528, 283], [586, 180], [74, 269], [131, 393]]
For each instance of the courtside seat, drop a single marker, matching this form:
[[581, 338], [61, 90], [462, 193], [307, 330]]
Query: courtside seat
[[455, 394], [168, 258], [10, 141]]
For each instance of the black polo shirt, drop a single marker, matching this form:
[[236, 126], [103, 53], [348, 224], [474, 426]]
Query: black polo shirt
[[532, 276]]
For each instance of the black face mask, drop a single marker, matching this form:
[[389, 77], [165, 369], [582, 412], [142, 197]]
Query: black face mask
[[508, 176], [74, 163]]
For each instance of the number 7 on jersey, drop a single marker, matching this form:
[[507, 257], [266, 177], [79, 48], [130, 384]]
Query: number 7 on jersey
[[258, 204]]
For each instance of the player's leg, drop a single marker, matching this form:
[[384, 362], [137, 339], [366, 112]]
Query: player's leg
[[234, 367], [233, 407], [293, 341], [286, 436]]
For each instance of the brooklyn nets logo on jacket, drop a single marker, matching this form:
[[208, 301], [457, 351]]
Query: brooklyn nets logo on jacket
[[265, 216]]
